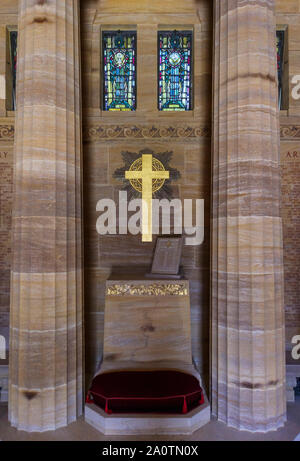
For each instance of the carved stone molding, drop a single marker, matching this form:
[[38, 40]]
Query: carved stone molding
[[153, 289], [111, 132], [117, 132], [290, 131], [7, 132]]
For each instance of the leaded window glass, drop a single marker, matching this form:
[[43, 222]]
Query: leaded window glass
[[175, 70], [13, 40], [280, 56], [119, 70]]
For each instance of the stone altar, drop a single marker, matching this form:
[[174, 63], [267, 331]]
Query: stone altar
[[147, 320], [147, 326]]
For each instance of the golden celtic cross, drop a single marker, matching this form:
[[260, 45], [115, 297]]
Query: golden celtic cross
[[147, 175]]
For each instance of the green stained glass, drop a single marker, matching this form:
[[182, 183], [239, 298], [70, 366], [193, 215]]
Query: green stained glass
[[119, 70]]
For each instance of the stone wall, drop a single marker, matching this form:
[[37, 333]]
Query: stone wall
[[106, 135], [6, 153], [8, 17], [288, 14]]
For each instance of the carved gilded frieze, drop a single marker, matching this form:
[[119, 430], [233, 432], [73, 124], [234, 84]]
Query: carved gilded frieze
[[151, 289]]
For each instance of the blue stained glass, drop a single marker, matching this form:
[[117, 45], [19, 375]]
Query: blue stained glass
[[119, 70], [175, 70], [280, 48]]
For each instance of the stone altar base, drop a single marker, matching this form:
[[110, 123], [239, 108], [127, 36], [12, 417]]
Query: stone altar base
[[147, 424]]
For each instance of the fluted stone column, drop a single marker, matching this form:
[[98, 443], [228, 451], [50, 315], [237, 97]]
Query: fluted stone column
[[248, 375], [46, 282]]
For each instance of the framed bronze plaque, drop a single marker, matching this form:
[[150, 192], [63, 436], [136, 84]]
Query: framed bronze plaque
[[167, 256]]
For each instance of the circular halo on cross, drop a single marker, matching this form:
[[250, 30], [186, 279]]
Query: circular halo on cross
[[137, 184]]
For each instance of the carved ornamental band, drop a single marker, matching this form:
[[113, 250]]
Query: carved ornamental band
[[98, 133], [116, 132], [289, 131], [7, 132]]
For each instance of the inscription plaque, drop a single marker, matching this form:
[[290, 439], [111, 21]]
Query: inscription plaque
[[167, 256]]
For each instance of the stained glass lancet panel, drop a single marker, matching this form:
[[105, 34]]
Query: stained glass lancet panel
[[280, 63], [175, 70], [119, 70], [13, 40]]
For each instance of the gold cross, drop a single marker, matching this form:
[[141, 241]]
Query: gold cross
[[147, 175]]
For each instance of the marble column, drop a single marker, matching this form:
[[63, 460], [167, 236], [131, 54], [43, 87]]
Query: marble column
[[247, 320], [45, 390]]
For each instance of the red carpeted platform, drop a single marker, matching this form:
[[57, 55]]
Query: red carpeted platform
[[163, 391]]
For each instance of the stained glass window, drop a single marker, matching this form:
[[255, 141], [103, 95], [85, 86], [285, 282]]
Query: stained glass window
[[119, 70], [13, 40], [175, 70], [280, 55]]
